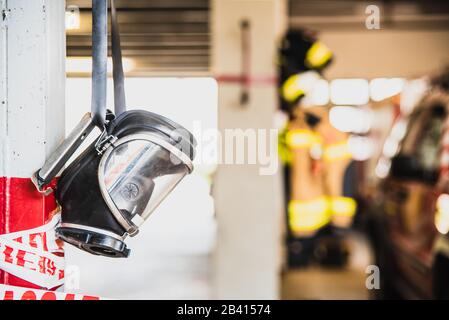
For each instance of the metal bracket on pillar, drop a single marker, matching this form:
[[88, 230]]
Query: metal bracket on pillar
[[5, 14], [246, 62], [244, 78]]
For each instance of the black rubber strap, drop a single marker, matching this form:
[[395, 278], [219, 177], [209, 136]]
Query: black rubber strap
[[99, 61], [118, 74]]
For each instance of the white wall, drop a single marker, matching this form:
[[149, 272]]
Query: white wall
[[386, 53]]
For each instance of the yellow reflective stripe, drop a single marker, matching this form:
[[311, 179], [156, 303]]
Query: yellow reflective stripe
[[318, 55], [301, 138], [307, 216], [337, 151], [343, 206], [283, 150], [291, 89]]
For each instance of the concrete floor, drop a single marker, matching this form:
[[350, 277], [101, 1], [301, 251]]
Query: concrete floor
[[322, 284], [331, 284], [170, 258]]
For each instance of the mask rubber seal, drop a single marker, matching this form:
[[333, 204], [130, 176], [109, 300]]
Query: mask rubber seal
[[93, 242]]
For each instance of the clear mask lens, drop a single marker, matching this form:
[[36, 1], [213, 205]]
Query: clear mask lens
[[138, 175]]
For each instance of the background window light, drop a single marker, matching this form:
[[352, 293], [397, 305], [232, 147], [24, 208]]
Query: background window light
[[360, 147], [442, 214], [383, 167], [320, 93], [350, 119], [349, 91], [383, 88], [412, 93]]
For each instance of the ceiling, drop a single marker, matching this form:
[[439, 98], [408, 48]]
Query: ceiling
[[160, 36], [335, 15], [164, 37]]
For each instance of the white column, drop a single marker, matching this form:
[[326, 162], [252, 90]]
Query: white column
[[32, 91], [32, 83], [248, 205]]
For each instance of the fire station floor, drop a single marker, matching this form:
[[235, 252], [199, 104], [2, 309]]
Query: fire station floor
[[321, 283]]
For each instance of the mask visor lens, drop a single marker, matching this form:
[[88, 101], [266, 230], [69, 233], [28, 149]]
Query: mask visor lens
[[138, 175]]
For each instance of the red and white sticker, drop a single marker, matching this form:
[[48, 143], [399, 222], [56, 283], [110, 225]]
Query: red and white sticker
[[19, 293], [35, 255]]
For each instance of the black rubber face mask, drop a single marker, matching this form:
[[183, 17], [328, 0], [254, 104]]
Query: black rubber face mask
[[119, 180], [110, 190]]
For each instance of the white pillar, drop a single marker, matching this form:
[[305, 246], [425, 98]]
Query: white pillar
[[32, 71], [248, 205], [32, 91]]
